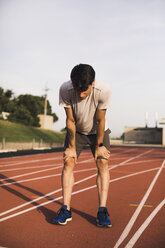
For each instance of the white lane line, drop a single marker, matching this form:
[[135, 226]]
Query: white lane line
[[43, 177], [122, 163], [145, 161], [27, 168], [41, 197], [130, 159], [35, 172], [30, 155], [112, 167], [134, 174], [22, 205], [31, 173], [55, 175], [38, 160], [125, 151], [42, 166], [139, 208], [29, 161], [49, 194], [144, 225], [84, 161], [34, 161], [84, 154]]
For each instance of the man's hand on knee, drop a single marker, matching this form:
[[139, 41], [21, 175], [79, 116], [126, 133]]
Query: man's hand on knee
[[102, 152], [70, 153]]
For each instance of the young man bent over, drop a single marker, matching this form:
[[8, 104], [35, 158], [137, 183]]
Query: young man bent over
[[85, 100]]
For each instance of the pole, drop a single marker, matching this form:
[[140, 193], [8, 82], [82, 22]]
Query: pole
[[146, 119], [156, 119], [45, 107]]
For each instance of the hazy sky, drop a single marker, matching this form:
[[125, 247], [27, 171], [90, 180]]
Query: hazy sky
[[124, 40]]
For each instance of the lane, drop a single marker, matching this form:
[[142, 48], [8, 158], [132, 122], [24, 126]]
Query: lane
[[83, 227], [139, 155], [82, 232], [33, 161], [77, 171], [57, 166], [58, 198], [17, 159], [12, 161], [139, 208], [142, 228], [85, 179]]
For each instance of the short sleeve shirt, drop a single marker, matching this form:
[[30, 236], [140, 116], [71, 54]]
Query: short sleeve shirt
[[84, 110]]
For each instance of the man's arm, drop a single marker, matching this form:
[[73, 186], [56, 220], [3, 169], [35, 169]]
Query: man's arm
[[71, 127], [70, 152], [100, 126]]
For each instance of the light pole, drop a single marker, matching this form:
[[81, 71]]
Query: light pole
[[146, 119], [45, 106]]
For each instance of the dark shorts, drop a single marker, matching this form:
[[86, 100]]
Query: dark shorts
[[83, 140]]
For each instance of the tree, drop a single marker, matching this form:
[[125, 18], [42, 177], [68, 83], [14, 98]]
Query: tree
[[55, 117], [6, 103], [24, 108], [22, 115]]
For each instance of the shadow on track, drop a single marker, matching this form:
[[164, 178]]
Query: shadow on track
[[49, 214]]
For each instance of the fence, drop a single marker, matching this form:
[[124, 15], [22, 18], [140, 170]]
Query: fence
[[28, 145]]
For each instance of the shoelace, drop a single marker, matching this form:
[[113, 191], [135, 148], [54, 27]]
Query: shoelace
[[61, 211], [104, 214]]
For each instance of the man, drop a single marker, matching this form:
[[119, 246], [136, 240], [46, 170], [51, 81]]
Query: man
[[85, 100]]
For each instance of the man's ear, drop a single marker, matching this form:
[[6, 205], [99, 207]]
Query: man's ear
[[93, 82]]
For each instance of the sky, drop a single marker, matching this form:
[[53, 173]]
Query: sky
[[124, 40]]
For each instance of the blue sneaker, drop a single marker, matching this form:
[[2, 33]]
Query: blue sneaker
[[103, 218], [63, 216]]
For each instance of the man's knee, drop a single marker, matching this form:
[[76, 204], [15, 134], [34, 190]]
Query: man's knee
[[102, 164], [69, 164]]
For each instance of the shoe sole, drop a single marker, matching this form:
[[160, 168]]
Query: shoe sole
[[62, 223], [103, 225]]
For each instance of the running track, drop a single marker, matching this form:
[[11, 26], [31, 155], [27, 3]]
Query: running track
[[30, 196]]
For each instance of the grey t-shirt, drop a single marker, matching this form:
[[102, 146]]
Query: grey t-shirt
[[84, 110]]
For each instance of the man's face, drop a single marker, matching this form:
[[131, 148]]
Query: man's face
[[86, 93]]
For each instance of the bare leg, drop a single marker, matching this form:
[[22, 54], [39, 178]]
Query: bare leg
[[68, 181], [102, 181]]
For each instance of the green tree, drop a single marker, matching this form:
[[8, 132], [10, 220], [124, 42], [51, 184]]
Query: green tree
[[55, 117], [22, 115], [24, 108], [6, 103]]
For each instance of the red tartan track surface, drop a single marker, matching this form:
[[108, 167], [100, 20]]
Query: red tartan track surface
[[31, 195]]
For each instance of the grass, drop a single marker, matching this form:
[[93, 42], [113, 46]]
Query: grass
[[14, 132]]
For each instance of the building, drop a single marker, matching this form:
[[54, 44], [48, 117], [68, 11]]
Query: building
[[46, 121], [147, 135]]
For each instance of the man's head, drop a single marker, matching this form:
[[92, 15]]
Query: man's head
[[82, 77]]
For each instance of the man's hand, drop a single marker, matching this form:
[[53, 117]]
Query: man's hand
[[70, 153], [102, 152]]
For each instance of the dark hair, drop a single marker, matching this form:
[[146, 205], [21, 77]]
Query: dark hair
[[82, 76]]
